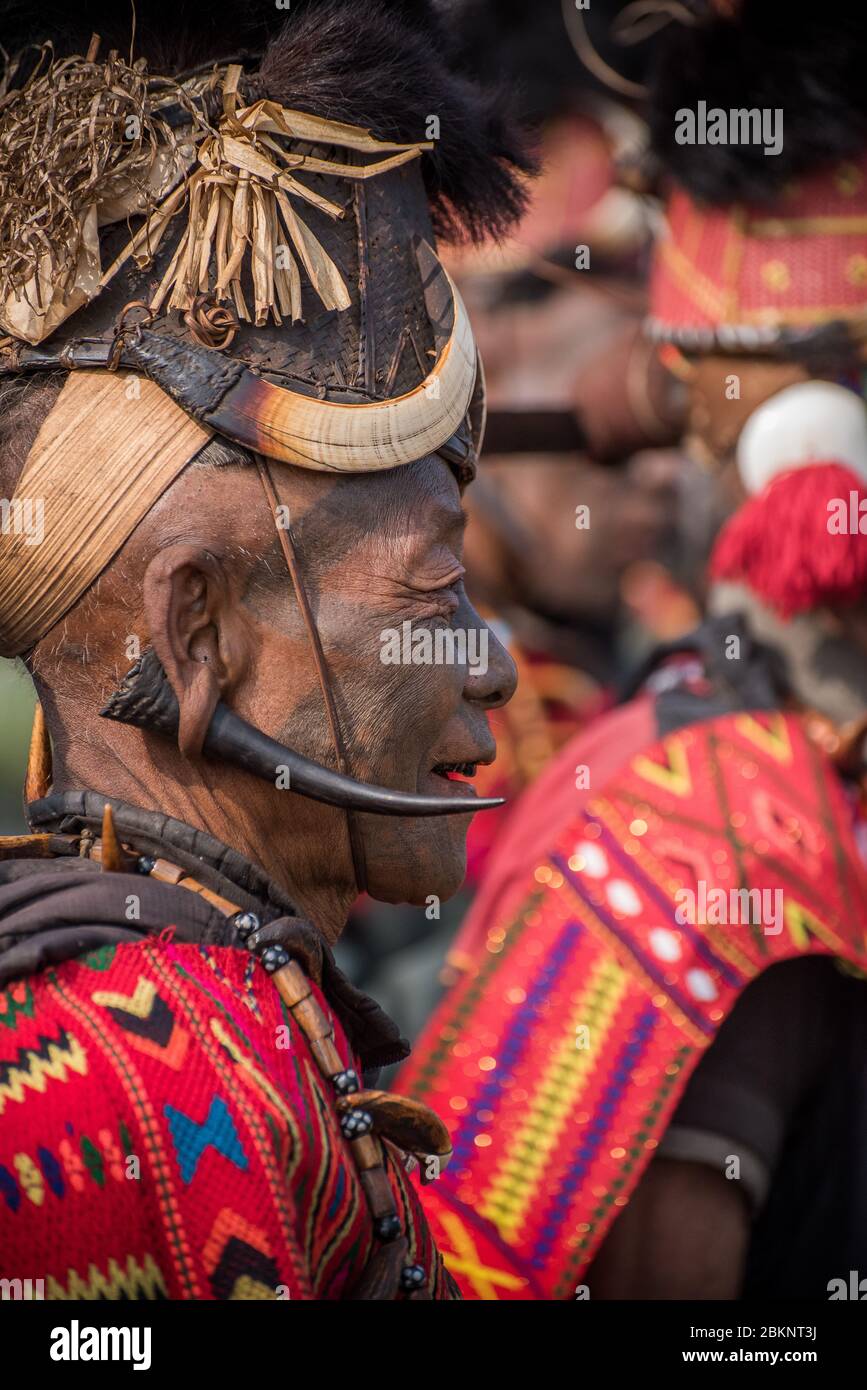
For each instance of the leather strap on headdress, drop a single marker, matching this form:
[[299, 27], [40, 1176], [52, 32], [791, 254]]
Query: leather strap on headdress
[[284, 536]]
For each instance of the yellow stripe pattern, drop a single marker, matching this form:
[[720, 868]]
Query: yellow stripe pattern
[[507, 1200], [132, 1281]]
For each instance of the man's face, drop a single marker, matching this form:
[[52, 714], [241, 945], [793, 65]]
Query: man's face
[[380, 557]]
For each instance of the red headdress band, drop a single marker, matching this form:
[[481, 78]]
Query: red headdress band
[[744, 278]]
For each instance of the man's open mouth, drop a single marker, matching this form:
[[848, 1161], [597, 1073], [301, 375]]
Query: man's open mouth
[[455, 772]]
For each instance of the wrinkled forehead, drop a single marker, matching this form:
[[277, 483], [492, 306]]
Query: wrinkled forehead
[[421, 502]]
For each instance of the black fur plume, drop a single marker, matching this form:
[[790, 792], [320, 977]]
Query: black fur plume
[[385, 64], [388, 66], [809, 60]]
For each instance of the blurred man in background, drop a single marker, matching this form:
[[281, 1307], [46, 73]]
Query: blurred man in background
[[654, 1057]]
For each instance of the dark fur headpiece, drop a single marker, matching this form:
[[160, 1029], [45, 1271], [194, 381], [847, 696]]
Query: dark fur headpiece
[[808, 60]]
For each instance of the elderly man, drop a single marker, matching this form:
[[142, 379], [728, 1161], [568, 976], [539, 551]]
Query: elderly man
[[242, 404]]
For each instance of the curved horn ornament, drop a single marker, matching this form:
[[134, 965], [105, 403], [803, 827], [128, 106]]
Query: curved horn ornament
[[146, 700], [331, 436], [223, 394], [231, 737]]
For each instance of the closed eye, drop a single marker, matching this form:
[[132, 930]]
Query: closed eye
[[438, 597], [441, 603]]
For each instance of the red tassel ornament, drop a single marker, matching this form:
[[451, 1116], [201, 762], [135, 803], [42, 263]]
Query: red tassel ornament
[[801, 543]]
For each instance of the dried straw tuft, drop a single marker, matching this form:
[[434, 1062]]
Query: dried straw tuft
[[85, 143], [241, 210], [82, 143]]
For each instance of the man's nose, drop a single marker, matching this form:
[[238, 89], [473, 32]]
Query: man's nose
[[491, 683]]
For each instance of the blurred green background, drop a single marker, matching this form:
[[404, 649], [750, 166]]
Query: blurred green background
[[17, 698]]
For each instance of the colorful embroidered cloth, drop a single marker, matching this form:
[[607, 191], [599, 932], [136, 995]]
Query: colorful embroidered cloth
[[165, 1133], [560, 1056]]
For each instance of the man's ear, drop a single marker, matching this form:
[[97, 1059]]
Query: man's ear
[[198, 632]]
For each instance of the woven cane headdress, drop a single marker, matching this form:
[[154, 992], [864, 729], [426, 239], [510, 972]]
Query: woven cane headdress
[[227, 233]]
